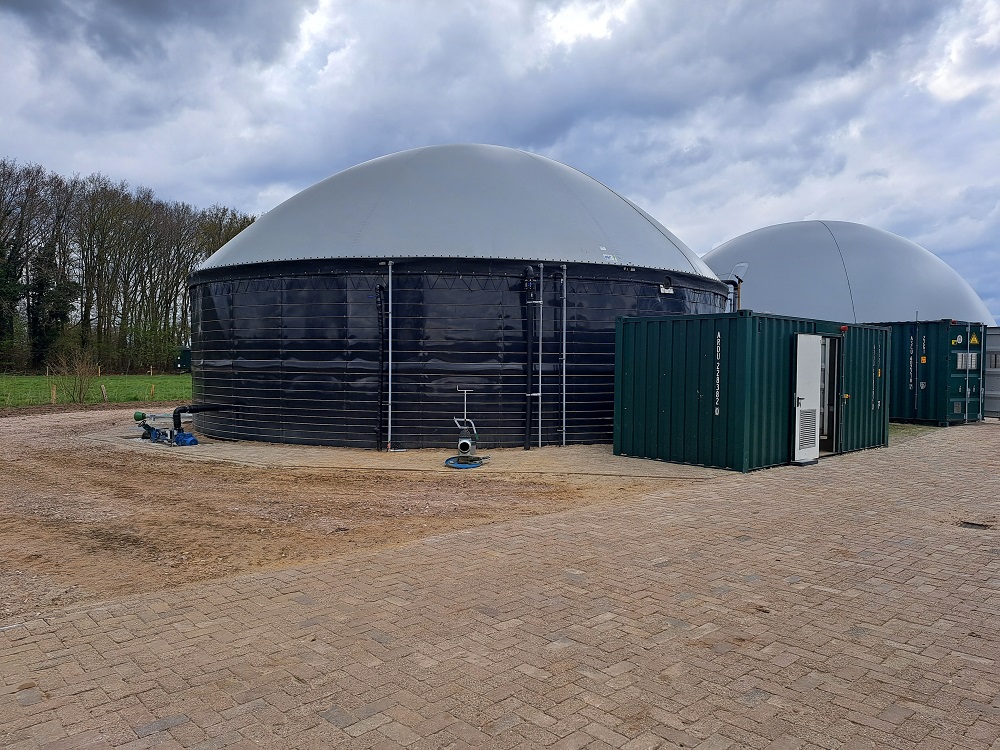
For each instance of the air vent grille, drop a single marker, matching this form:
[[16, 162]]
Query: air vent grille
[[807, 428]]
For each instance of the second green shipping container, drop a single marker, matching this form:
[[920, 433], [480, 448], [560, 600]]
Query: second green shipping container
[[937, 372], [746, 391]]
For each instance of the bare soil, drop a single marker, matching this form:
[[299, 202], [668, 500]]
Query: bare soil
[[85, 519]]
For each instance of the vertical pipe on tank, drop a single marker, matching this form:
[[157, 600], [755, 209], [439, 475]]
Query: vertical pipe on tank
[[388, 438], [563, 356], [380, 308], [541, 337], [529, 330]]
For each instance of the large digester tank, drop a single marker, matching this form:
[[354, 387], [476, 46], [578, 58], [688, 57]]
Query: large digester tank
[[839, 270], [357, 312]]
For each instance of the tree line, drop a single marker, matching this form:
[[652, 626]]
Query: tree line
[[93, 266]]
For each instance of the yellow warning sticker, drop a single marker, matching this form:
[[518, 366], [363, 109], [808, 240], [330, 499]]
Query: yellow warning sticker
[[923, 360], [973, 339]]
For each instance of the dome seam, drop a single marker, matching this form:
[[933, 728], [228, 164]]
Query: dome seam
[[847, 274]]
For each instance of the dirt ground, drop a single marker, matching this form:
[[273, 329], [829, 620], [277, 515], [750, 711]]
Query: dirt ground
[[87, 512]]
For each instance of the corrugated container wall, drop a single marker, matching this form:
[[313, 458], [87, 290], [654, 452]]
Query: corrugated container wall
[[719, 390], [937, 372], [991, 374]]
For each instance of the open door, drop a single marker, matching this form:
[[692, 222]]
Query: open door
[[807, 404], [829, 396]]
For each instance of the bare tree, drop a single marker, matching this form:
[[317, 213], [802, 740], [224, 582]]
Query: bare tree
[[49, 277], [21, 212], [96, 265]]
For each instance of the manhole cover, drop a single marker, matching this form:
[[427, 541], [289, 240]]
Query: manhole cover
[[975, 525]]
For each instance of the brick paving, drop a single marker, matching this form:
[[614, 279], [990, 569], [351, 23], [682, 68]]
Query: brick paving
[[843, 605]]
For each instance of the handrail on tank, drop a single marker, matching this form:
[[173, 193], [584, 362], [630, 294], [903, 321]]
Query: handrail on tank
[[565, 287], [388, 439], [541, 336]]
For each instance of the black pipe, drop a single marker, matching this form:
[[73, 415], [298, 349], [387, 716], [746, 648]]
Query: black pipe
[[529, 326], [735, 285], [561, 276], [194, 409], [380, 309]]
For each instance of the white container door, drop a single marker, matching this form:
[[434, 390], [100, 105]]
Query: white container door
[[807, 404]]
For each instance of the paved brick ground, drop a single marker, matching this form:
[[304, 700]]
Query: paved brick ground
[[837, 606]]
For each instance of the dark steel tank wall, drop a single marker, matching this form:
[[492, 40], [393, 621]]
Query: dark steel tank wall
[[299, 351]]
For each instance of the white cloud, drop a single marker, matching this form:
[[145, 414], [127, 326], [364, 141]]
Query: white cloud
[[585, 20], [968, 51]]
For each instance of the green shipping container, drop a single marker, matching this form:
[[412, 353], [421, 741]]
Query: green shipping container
[[938, 371], [745, 391], [183, 360]]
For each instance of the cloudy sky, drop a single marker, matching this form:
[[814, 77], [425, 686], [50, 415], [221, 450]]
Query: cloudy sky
[[716, 116]]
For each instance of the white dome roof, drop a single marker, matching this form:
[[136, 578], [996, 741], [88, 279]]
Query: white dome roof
[[836, 270], [461, 201]]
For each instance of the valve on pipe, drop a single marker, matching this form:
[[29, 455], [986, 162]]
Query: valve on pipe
[[467, 439], [174, 435]]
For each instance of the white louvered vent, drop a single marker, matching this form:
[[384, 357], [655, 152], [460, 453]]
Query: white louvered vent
[[807, 428]]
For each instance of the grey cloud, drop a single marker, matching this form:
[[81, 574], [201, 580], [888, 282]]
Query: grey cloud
[[658, 70], [979, 265], [873, 174], [962, 230], [976, 210], [675, 55], [432, 72], [131, 30], [121, 66], [981, 203], [654, 70], [449, 76]]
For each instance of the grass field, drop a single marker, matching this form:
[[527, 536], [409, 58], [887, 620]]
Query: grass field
[[32, 390]]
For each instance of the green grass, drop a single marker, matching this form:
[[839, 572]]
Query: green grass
[[903, 433], [32, 390]]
